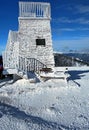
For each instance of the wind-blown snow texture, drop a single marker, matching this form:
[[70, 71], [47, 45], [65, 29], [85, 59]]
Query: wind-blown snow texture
[[50, 105]]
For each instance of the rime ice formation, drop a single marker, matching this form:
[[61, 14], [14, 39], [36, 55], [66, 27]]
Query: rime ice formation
[[30, 48]]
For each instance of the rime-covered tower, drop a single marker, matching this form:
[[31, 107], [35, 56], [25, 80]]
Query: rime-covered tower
[[35, 32], [30, 48]]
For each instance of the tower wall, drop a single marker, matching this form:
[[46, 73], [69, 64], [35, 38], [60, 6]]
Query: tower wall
[[34, 25], [29, 31]]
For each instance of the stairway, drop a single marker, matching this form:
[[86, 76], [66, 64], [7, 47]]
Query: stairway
[[29, 68]]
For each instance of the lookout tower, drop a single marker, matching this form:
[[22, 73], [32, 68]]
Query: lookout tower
[[30, 48], [35, 32]]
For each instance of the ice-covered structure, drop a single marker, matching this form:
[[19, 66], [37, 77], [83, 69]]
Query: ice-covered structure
[[30, 48]]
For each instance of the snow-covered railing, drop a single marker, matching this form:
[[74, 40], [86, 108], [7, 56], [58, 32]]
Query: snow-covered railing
[[34, 9], [9, 61], [30, 64]]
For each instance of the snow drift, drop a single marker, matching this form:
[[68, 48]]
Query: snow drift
[[51, 105]]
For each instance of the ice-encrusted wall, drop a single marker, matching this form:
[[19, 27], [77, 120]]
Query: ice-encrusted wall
[[10, 55], [34, 23], [29, 31]]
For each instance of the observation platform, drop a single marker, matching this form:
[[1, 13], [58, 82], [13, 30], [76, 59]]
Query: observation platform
[[34, 10]]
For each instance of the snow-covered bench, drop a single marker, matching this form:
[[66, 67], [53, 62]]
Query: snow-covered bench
[[57, 72]]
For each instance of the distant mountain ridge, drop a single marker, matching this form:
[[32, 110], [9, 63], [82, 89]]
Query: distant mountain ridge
[[82, 56], [71, 59]]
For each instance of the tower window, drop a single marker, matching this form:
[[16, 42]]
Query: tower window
[[40, 42]]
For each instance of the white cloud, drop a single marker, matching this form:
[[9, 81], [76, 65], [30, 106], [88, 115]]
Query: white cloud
[[62, 20], [82, 8], [76, 44], [67, 29], [80, 20], [78, 8], [74, 8], [63, 29], [57, 30]]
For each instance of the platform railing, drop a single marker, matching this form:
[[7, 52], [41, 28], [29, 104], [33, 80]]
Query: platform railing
[[34, 9], [30, 64]]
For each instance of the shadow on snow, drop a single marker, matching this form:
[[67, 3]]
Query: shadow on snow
[[75, 74], [16, 113]]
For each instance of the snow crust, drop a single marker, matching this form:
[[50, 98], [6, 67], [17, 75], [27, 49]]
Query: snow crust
[[51, 105]]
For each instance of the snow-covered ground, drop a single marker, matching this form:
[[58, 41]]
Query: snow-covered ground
[[51, 105]]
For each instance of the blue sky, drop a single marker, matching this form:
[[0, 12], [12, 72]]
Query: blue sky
[[70, 23]]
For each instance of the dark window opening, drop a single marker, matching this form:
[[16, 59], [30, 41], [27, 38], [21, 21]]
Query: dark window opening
[[40, 42]]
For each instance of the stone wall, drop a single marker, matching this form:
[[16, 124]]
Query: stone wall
[[29, 31]]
